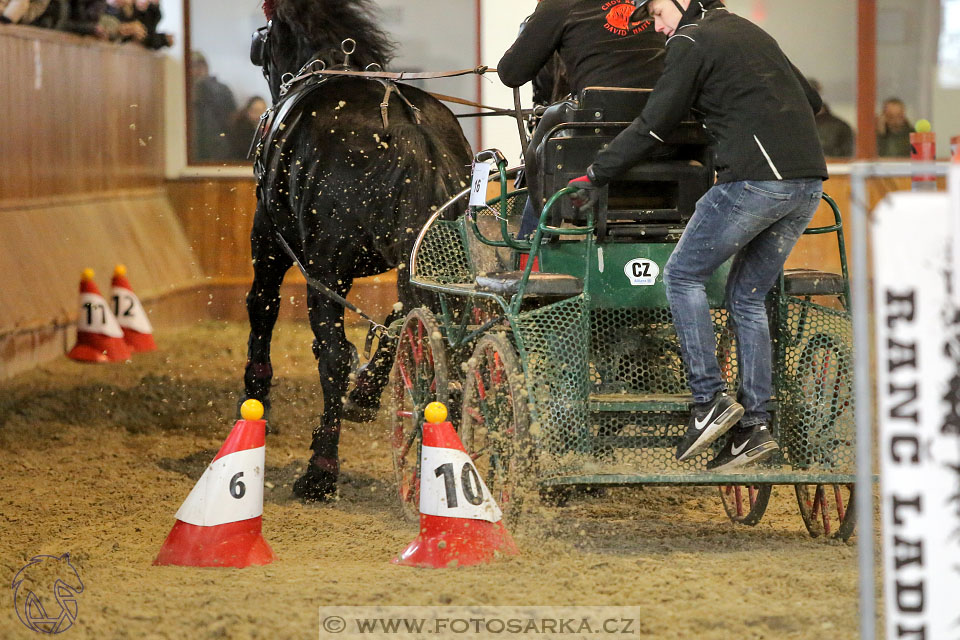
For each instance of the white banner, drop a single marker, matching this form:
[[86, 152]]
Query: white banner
[[96, 317], [230, 490], [919, 486], [129, 311], [450, 486]]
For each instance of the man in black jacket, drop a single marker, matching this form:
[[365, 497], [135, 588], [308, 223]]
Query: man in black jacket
[[759, 110], [598, 47]]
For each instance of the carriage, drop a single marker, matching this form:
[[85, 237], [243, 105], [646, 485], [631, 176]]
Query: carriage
[[557, 355]]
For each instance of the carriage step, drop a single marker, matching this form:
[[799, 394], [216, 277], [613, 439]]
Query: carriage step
[[639, 402], [663, 403]]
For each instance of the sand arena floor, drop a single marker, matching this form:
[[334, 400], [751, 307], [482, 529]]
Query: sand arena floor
[[97, 459]]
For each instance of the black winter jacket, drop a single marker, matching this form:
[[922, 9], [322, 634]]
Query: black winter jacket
[[756, 106], [594, 41]]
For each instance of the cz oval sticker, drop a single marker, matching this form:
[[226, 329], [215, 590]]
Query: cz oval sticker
[[642, 272]]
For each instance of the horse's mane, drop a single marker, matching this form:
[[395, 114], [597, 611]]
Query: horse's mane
[[325, 23]]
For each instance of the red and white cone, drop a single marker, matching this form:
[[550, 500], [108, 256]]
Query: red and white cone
[[99, 336], [219, 524], [460, 523], [137, 330]]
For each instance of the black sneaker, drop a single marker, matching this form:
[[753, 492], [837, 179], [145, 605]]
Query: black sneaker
[[707, 423], [744, 445]]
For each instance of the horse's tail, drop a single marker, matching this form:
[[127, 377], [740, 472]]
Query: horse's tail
[[436, 167]]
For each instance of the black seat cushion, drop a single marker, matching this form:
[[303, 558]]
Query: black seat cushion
[[559, 285], [810, 282]]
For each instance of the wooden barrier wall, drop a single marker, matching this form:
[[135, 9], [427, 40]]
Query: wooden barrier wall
[[217, 215], [81, 185]]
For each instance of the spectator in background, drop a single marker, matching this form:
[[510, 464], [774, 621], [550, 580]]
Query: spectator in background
[[22, 11], [893, 130], [85, 17], [120, 23], [147, 12], [212, 106], [836, 136], [244, 125]]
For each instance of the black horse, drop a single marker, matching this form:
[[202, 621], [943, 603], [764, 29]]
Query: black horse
[[347, 185]]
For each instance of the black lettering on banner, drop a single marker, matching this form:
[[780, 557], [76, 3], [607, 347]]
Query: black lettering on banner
[[469, 484], [899, 410], [901, 355], [909, 597], [914, 634], [237, 488], [914, 448], [912, 552], [897, 503], [906, 301]]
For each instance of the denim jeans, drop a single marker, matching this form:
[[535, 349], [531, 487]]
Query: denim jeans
[[528, 223], [757, 223]]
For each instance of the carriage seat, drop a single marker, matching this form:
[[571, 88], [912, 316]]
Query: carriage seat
[[663, 190], [539, 285], [810, 282]]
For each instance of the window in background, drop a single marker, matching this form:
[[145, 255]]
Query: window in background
[[224, 87]]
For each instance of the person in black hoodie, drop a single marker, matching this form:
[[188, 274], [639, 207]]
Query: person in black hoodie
[[759, 110], [597, 47]]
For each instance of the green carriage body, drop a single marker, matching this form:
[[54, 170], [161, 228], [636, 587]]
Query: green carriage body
[[606, 388]]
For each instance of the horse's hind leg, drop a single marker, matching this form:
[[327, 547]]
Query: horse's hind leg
[[364, 400], [333, 353], [270, 263]]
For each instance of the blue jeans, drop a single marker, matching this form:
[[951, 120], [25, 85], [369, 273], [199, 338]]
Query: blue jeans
[[757, 223], [529, 220]]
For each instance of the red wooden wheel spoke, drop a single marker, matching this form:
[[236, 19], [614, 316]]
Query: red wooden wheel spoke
[[739, 500], [496, 373], [841, 510], [404, 374], [825, 515], [481, 390], [419, 343], [404, 414], [752, 492], [475, 414]]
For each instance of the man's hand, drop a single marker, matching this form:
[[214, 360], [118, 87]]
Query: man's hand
[[588, 193]]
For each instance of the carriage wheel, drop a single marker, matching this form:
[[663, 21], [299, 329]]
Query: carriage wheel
[[418, 378], [495, 422], [827, 510], [745, 504]]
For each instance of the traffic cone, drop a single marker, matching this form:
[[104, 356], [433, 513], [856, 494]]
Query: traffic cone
[[460, 523], [137, 330], [219, 524], [99, 336]]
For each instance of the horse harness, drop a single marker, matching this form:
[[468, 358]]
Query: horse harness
[[293, 90], [313, 75]]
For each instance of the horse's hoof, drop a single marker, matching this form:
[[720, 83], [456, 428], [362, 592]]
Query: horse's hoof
[[315, 486], [270, 428], [359, 413]]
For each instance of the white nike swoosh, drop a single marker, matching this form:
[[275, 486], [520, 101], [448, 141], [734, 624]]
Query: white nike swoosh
[[700, 425], [738, 450]]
